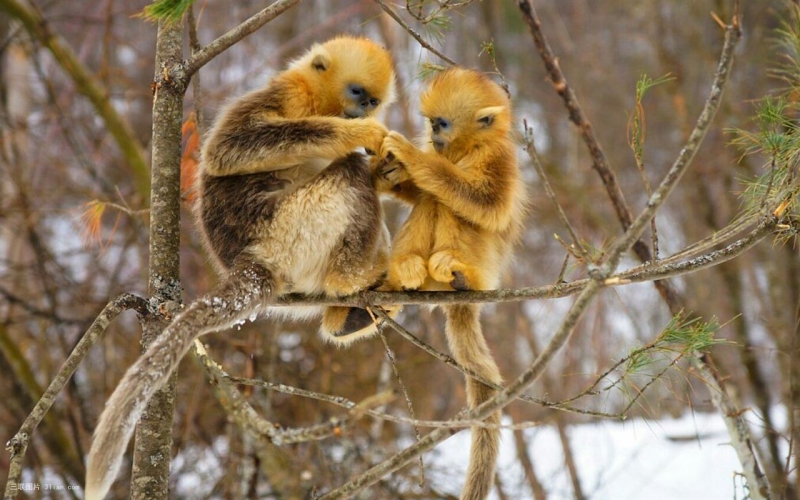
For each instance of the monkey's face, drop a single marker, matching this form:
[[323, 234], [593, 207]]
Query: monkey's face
[[463, 107], [355, 76], [359, 102]]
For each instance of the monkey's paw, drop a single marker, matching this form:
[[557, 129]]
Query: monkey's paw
[[408, 273], [369, 133], [444, 267], [393, 172], [338, 285], [397, 146]]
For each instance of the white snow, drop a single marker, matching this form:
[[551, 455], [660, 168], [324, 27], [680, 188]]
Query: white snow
[[688, 458]]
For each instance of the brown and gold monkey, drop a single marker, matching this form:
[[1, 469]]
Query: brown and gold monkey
[[468, 203], [286, 205]]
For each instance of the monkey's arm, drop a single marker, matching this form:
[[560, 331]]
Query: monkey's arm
[[249, 144], [479, 188]]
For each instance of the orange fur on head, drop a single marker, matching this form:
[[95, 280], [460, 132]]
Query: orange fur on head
[[329, 67]]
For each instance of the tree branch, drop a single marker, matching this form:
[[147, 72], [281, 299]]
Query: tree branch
[[647, 272], [199, 58], [416, 36], [18, 445], [153, 443], [87, 85]]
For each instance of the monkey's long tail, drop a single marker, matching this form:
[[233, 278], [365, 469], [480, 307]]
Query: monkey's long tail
[[469, 348], [247, 288]]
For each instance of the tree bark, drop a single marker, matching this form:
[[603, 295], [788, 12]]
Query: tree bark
[[151, 458]]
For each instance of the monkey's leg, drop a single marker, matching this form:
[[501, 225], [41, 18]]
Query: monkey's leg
[[459, 254], [343, 325], [411, 247], [331, 237]]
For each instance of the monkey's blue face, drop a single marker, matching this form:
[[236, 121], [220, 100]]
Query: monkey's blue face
[[441, 132], [358, 101]]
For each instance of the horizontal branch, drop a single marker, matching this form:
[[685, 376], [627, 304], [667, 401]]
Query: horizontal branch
[[643, 273]]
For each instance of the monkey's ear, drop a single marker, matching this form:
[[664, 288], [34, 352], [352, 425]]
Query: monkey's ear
[[321, 60], [486, 116]]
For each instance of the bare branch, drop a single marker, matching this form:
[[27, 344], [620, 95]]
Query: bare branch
[[686, 155], [413, 33], [349, 404], [660, 270], [18, 444], [200, 57], [576, 114], [448, 360], [531, 150]]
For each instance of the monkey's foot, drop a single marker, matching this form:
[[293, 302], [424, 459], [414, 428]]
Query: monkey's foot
[[338, 285], [459, 281], [407, 273], [442, 266], [344, 325]]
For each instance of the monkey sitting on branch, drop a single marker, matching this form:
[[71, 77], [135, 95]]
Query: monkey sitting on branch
[[286, 206], [468, 204]]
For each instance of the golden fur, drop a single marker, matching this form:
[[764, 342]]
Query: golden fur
[[468, 207], [286, 205]]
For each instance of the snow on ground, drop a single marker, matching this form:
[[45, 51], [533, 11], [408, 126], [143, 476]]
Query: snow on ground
[[680, 459]]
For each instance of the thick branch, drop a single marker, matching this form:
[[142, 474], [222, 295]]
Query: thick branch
[[18, 445], [89, 86], [224, 42], [151, 452]]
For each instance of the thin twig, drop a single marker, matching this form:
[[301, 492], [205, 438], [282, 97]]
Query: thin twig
[[531, 150], [413, 33], [409, 404], [448, 360], [18, 444], [349, 404]]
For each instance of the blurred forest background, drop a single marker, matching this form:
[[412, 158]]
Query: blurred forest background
[[75, 229]]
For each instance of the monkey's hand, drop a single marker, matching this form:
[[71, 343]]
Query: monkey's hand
[[403, 151], [367, 133], [392, 171]]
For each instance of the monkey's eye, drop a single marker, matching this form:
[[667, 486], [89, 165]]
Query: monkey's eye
[[356, 90], [438, 124], [374, 102]]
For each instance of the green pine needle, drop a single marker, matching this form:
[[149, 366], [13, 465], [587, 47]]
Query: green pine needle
[[170, 11], [427, 70]]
